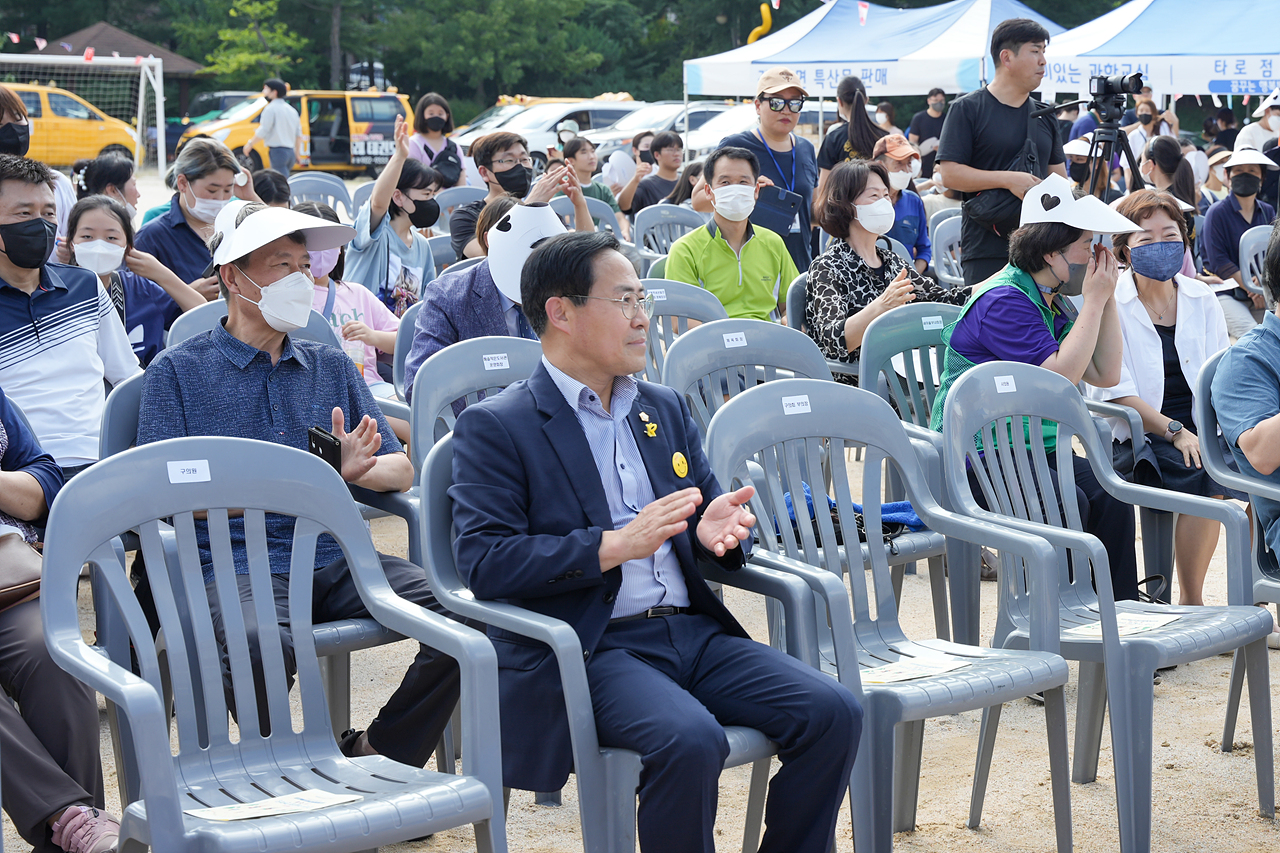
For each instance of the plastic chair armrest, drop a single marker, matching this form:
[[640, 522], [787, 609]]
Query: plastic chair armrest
[[843, 368], [788, 589], [394, 409], [401, 504], [1115, 410]]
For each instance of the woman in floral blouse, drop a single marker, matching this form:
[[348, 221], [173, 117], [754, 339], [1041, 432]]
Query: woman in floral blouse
[[854, 280]]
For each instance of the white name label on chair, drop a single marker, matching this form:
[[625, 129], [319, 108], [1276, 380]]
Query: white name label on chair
[[189, 471], [659, 294], [496, 361], [928, 323], [1005, 385], [735, 339], [795, 405]]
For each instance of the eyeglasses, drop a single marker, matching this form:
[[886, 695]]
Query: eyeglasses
[[631, 304], [792, 104], [507, 162]]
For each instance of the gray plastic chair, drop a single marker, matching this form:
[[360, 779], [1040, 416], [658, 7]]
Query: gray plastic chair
[[442, 250], [938, 217], [658, 268], [1114, 669], [674, 304], [797, 300], [360, 197], [771, 436], [404, 340], [897, 247], [1253, 249], [607, 777], [397, 803], [452, 197], [563, 206], [322, 187], [660, 225], [457, 266], [1262, 583], [204, 318], [946, 250]]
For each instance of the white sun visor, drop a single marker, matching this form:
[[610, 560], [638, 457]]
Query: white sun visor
[[1051, 200], [264, 226]]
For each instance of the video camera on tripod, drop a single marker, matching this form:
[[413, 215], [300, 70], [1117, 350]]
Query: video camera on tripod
[[1108, 102]]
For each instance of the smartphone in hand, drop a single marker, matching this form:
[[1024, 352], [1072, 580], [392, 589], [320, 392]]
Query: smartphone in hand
[[324, 444]]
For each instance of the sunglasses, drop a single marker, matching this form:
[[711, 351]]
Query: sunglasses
[[792, 104]]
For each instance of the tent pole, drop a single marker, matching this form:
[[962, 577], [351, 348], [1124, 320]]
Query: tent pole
[[820, 119], [685, 84]]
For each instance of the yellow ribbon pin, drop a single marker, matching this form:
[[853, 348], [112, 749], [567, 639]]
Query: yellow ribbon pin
[[651, 430], [680, 465]]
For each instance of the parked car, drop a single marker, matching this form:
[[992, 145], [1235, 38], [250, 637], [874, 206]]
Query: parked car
[[657, 117], [704, 140], [538, 123], [66, 127], [344, 131], [207, 106]]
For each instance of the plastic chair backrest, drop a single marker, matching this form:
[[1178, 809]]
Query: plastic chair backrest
[[563, 206], [658, 267], [717, 361], [204, 318], [452, 197], [913, 333], [660, 225], [321, 187], [467, 370], [797, 299], [404, 340], [937, 219], [1253, 251], [360, 197], [464, 263], [897, 247], [442, 250], [674, 303], [946, 252], [120, 417], [1266, 570]]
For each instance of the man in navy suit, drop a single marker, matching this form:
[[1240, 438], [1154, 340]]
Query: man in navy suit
[[584, 495]]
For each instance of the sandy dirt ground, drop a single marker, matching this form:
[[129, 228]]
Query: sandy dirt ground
[[1204, 800]]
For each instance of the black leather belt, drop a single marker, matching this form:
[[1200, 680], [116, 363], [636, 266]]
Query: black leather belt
[[651, 613]]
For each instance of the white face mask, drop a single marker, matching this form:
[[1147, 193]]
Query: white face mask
[[735, 203], [876, 217], [899, 180], [285, 305], [1220, 173], [99, 255], [881, 118], [206, 209], [915, 167]]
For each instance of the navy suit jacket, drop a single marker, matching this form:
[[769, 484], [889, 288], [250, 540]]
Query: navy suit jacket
[[456, 307], [530, 508]]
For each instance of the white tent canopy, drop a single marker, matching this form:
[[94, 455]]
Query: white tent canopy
[[896, 52], [1182, 47]]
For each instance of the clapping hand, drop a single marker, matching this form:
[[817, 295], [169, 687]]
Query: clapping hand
[[727, 522]]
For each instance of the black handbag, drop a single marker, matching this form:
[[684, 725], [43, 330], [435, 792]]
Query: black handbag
[[448, 164], [997, 208]]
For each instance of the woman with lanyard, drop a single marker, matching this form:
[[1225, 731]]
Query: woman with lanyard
[[204, 177], [430, 143], [786, 160], [1021, 314]]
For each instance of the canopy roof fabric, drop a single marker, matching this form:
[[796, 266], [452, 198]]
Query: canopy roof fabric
[[1184, 47], [897, 51]]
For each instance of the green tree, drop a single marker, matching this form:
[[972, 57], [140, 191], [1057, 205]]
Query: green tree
[[255, 44]]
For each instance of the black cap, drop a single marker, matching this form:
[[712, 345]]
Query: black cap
[[280, 87]]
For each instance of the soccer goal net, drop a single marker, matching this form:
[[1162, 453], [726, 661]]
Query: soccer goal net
[[87, 107]]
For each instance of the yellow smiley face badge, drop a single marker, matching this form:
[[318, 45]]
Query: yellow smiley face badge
[[680, 465]]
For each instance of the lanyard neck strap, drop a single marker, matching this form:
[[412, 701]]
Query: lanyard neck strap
[[791, 187]]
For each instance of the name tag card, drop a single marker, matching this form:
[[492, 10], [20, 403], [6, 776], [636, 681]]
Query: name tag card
[[189, 471], [735, 339], [496, 361], [1005, 385], [659, 294], [928, 323], [795, 405]]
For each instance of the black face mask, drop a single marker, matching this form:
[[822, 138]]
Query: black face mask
[[15, 139], [1079, 172], [515, 180], [646, 156], [1145, 118], [435, 124], [28, 244], [425, 213], [1245, 184]]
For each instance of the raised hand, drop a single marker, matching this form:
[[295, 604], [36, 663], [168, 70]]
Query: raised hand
[[359, 447], [727, 522]]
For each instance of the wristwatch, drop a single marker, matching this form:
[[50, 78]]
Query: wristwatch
[[1171, 432]]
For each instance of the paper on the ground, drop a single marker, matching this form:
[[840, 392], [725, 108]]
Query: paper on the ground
[[1128, 623], [303, 801], [909, 668]]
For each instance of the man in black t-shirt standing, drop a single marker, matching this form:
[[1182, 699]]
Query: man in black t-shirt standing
[[926, 129], [984, 132]]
